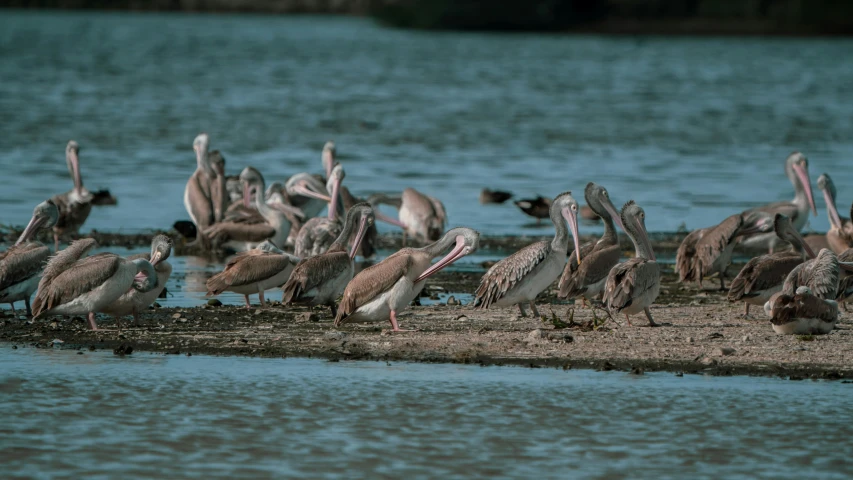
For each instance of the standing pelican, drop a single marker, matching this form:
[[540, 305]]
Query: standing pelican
[[520, 277], [320, 280], [840, 234], [199, 194], [634, 285], [423, 216], [241, 236], [797, 170], [72, 285], [253, 272], [74, 206], [586, 279], [219, 193], [21, 265], [383, 290], [317, 234], [802, 313], [135, 300], [764, 275]]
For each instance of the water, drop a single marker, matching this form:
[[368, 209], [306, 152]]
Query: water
[[101, 416], [693, 129]]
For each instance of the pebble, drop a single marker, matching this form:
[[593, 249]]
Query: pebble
[[176, 316], [214, 302], [536, 335], [451, 300], [461, 318], [746, 338], [309, 317], [334, 336], [725, 351], [690, 340]]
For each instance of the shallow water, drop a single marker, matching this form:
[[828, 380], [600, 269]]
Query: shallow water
[[97, 415], [693, 129]]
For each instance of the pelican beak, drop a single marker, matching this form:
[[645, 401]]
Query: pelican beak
[[35, 224], [799, 238], [617, 219], [155, 259], [247, 195], [572, 218], [803, 174], [455, 254], [641, 228], [390, 220], [74, 163], [834, 218], [328, 162], [359, 236], [333, 201], [304, 191]]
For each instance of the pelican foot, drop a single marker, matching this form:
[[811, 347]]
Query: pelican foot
[[395, 327], [651, 320]]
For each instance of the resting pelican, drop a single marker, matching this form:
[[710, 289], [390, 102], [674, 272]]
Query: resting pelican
[[383, 290], [797, 170], [253, 272], [307, 193], [764, 275], [71, 285], [74, 206], [239, 235], [199, 194], [134, 300], [634, 285], [318, 233], [320, 280], [586, 279], [840, 234], [802, 313], [520, 277], [422, 216], [21, 265]]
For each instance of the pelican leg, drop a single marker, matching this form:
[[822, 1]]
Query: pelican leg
[[394, 326], [745, 310], [583, 300], [92, 324], [135, 317], [521, 310], [248, 305], [722, 281], [700, 282], [12, 304], [533, 307], [55, 242], [844, 304], [30, 310], [334, 309], [404, 238], [261, 298], [649, 315], [628, 319]]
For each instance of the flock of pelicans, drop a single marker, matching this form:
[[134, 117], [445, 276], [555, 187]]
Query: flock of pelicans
[[799, 290]]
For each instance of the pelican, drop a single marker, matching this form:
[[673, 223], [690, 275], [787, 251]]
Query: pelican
[[764, 275], [307, 193], [320, 280], [821, 274], [537, 208], [520, 277], [135, 300], [241, 236], [634, 285], [383, 290], [840, 234], [797, 170], [254, 271], [219, 189], [21, 265], [493, 196], [422, 216], [74, 206], [802, 313], [845, 285], [71, 285], [586, 279], [318, 233], [199, 194], [709, 250]]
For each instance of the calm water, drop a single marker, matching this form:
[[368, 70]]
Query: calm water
[[694, 129], [98, 415]]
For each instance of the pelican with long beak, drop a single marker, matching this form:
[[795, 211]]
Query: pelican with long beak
[[802, 313], [203, 196], [840, 234], [21, 265], [634, 285], [255, 271], [519, 278], [318, 233], [320, 280], [136, 300], [797, 170], [382, 291], [74, 206]]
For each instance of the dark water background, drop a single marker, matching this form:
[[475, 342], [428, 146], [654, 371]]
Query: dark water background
[[97, 415]]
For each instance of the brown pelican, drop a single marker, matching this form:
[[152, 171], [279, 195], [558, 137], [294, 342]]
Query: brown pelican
[[307, 193], [586, 279], [519, 278], [74, 206], [219, 193], [21, 265], [318, 233], [802, 313], [797, 170], [634, 285], [840, 234], [254, 271], [493, 196], [320, 280], [239, 235], [199, 194], [71, 285], [537, 208], [133, 301], [709, 250], [764, 275], [383, 290], [422, 216], [821, 274]]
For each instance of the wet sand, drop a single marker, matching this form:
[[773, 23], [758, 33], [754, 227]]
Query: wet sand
[[700, 332]]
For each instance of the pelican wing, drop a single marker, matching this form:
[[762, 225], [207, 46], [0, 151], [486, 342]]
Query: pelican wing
[[247, 268], [789, 308], [242, 232], [80, 278], [60, 261], [507, 273], [594, 267], [21, 262], [686, 254], [199, 202], [819, 274], [313, 272], [714, 242], [571, 268], [373, 281], [629, 280], [763, 273], [785, 208]]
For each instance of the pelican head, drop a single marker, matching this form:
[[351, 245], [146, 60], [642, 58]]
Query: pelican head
[[306, 185], [45, 215], [146, 277], [333, 186], [566, 205], [363, 214], [785, 230], [252, 181], [217, 162], [329, 154], [756, 222], [268, 246], [598, 200], [797, 169], [804, 290], [825, 184], [464, 240], [200, 146], [634, 220], [161, 248]]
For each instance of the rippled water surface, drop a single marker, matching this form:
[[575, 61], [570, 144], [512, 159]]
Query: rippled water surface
[[96, 414], [694, 129]]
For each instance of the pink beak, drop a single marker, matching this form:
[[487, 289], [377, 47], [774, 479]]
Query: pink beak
[[455, 254], [32, 227], [362, 230], [570, 217], [803, 175], [834, 218], [302, 190], [617, 219], [333, 200], [390, 220], [247, 195]]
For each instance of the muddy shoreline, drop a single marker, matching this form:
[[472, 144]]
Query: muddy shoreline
[[701, 333]]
